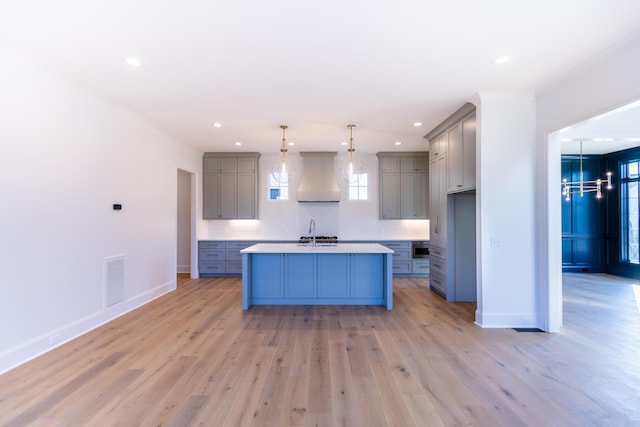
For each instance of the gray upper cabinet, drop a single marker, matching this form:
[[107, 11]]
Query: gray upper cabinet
[[404, 185], [462, 155], [230, 185], [438, 146], [390, 186], [390, 204]]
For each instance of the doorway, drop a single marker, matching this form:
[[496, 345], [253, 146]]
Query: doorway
[[608, 132], [186, 241]]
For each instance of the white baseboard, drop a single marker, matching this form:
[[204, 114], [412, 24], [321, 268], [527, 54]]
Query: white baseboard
[[184, 268], [506, 320], [28, 350]]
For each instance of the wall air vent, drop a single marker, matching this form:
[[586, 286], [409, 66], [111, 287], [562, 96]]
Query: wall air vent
[[114, 280]]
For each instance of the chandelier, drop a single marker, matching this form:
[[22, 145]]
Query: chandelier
[[582, 186]]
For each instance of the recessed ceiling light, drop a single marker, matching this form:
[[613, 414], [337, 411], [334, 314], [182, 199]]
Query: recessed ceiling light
[[603, 139], [133, 61], [501, 60], [631, 139], [344, 143], [217, 125], [291, 143], [238, 143], [397, 143], [417, 124]]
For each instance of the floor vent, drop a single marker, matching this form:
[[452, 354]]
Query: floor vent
[[114, 280], [528, 330]]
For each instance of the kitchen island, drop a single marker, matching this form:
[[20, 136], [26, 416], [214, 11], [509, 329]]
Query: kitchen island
[[336, 274]]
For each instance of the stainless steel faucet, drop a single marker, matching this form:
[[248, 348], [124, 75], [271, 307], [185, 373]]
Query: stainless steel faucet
[[312, 230]]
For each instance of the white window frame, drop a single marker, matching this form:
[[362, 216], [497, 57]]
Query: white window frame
[[354, 181]]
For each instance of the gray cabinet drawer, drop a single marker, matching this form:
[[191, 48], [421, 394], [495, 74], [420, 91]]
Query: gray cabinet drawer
[[438, 265], [437, 252], [401, 255], [210, 244], [397, 245], [240, 245], [209, 255], [211, 267], [420, 266], [233, 255], [439, 283], [234, 268], [401, 267], [401, 250]]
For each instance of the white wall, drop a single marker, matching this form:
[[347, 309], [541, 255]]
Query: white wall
[[66, 157], [608, 81], [348, 219], [505, 209]]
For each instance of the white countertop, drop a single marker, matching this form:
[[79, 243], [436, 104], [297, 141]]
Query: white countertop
[[338, 248], [295, 239]]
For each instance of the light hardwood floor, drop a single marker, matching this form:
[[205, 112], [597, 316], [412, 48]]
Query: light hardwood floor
[[193, 357]]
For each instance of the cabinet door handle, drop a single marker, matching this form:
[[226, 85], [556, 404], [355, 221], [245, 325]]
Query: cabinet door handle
[[459, 185]]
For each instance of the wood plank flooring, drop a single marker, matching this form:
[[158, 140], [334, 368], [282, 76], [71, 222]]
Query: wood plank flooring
[[193, 357]]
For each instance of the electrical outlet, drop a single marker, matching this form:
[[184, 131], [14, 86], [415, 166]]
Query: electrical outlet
[[495, 242]]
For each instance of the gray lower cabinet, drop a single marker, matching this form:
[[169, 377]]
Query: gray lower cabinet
[[221, 258], [211, 257], [438, 270], [403, 263], [420, 266], [230, 185]]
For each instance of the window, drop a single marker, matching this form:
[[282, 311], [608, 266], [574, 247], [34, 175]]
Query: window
[[358, 186], [278, 186], [630, 215]]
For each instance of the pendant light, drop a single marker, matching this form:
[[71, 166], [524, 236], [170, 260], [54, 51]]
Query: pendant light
[[283, 151], [351, 171], [351, 149], [281, 172]]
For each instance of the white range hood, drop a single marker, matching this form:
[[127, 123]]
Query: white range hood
[[318, 182]]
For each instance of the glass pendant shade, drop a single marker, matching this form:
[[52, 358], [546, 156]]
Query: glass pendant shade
[[280, 172]]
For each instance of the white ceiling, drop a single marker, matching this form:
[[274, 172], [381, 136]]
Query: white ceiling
[[315, 66], [612, 131]]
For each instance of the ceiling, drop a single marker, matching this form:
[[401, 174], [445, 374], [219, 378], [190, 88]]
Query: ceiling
[[606, 133], [315, 66]]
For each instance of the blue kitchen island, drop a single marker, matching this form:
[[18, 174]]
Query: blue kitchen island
[[336, 274]]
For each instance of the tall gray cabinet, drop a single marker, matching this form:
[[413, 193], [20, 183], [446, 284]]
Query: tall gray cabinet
[[452, 184], [404, 182], [230, 185]]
